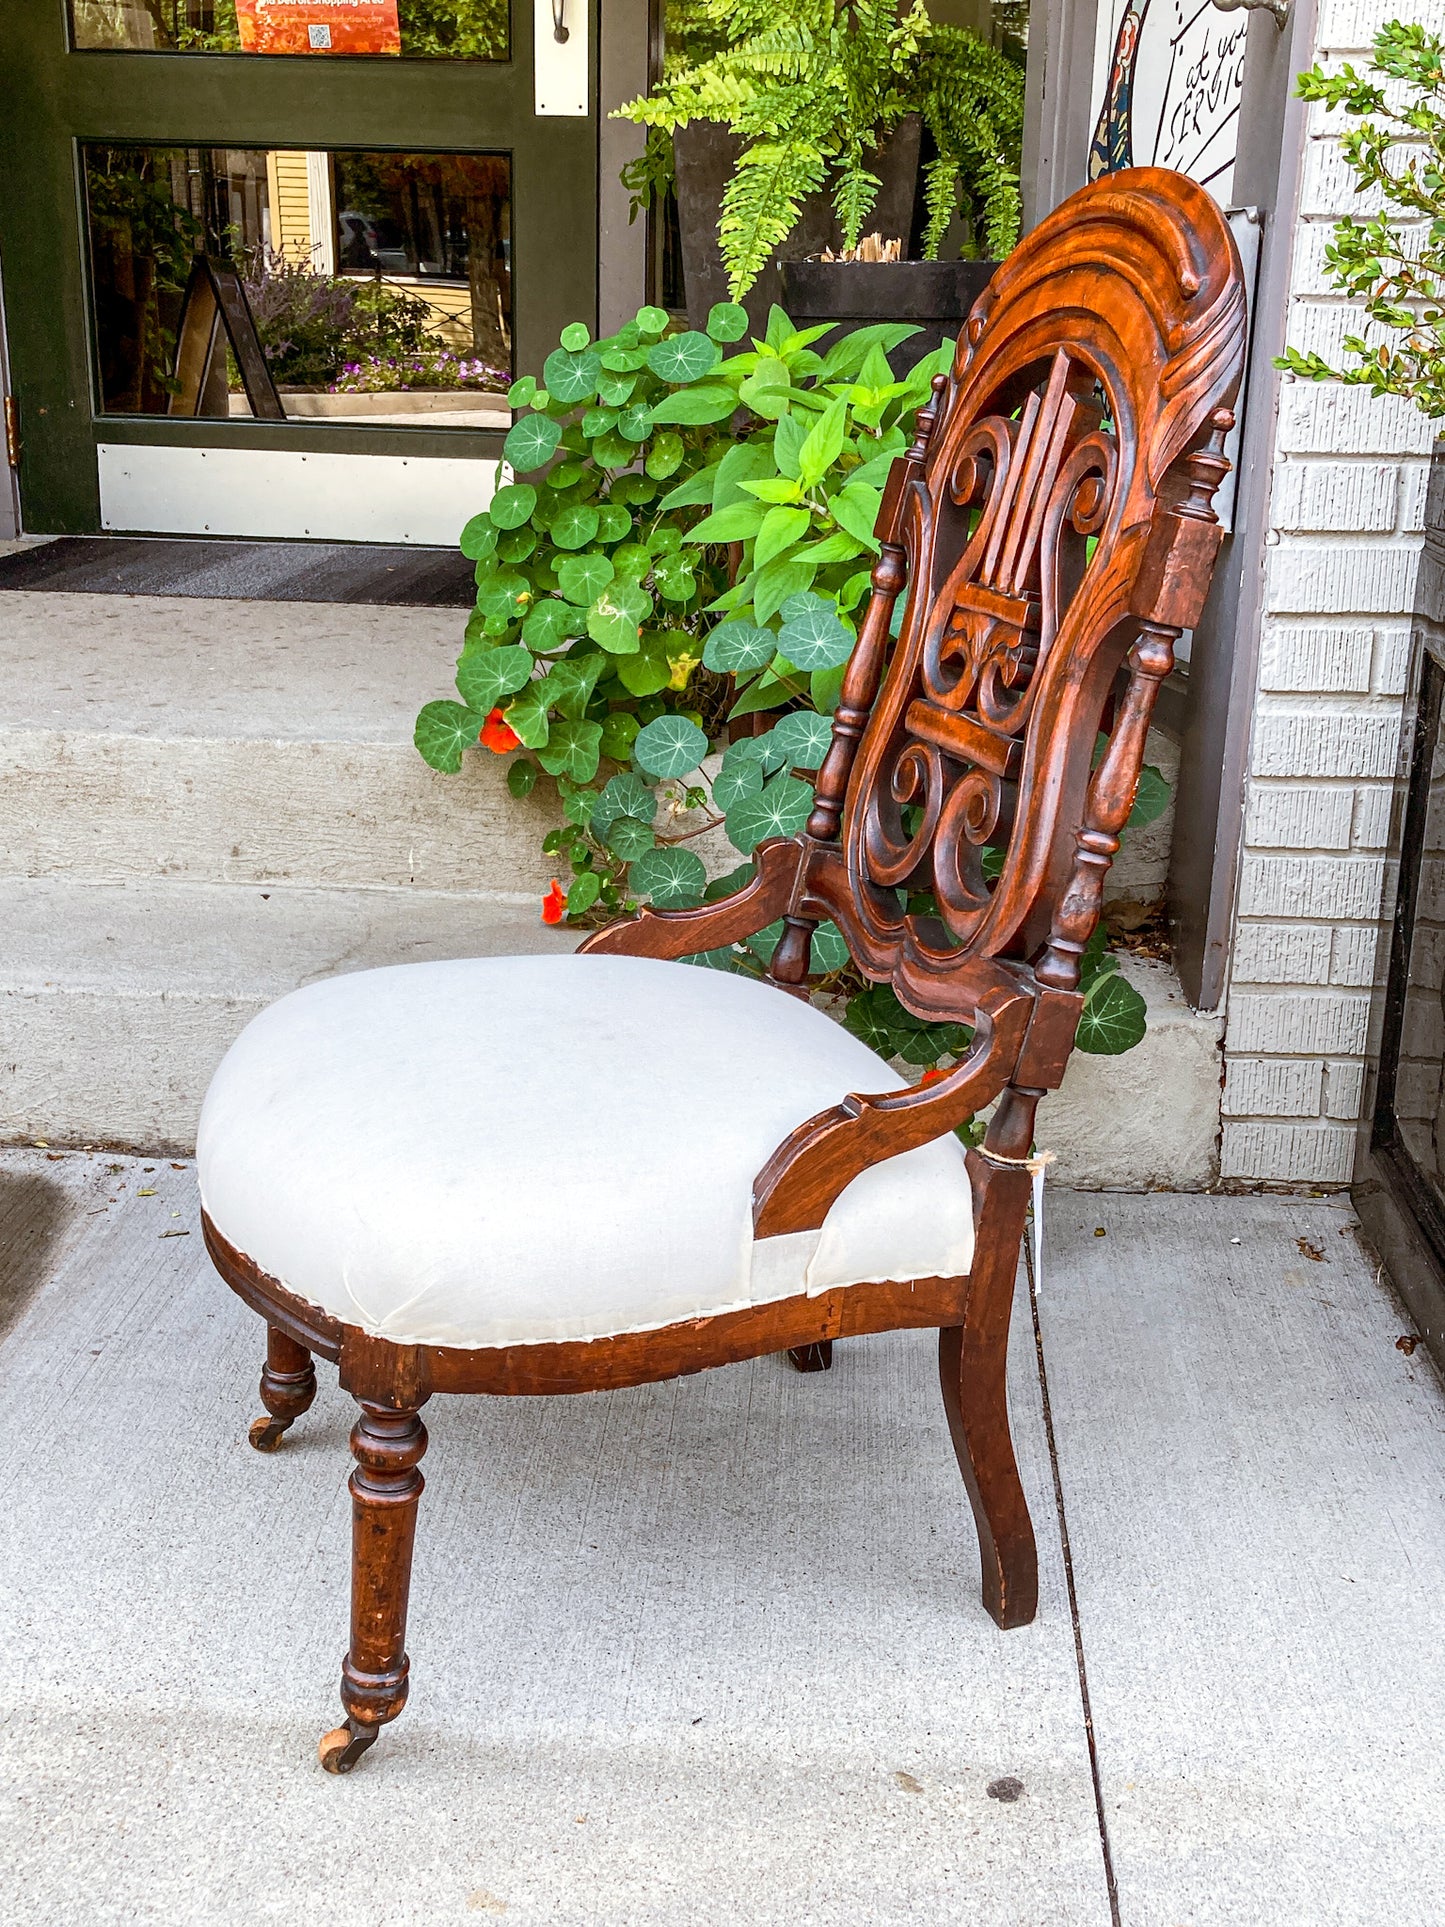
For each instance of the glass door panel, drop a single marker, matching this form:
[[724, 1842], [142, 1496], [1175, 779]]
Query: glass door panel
[[215, 255], [377, 285]]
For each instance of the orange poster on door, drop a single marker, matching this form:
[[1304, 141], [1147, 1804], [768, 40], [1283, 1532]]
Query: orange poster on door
[[318, 26]]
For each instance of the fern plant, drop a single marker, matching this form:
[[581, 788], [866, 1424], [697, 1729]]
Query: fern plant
[[812, 87]]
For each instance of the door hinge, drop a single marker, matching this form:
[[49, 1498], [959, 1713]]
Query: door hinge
[[12, 431]]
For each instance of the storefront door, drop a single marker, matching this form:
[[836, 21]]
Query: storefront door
[[271, 264]]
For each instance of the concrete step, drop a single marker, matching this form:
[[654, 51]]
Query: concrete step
[[243, 742], [204, 804], [117, 1001]]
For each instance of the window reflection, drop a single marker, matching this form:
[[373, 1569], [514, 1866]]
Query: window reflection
[[413, 29], [248, 281]]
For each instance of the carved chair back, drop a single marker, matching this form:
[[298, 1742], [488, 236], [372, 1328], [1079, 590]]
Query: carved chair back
[[1051, 524]]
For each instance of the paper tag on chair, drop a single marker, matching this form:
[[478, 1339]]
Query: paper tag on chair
[[1037, 1164]]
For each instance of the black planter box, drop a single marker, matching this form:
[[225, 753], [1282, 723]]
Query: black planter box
[[937, 295], [707, 156]]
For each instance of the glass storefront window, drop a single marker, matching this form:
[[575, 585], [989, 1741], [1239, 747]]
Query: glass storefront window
[[410, 29], [355, 286]]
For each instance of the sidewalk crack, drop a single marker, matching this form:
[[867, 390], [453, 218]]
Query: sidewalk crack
[[1105, 1848]]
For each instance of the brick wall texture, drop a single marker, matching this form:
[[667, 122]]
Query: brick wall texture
[[1316, 881]]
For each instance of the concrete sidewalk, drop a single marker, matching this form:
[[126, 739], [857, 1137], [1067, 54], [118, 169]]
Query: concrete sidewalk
[[712, 1652]]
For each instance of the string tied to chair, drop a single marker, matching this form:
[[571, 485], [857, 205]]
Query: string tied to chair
[[1036, 1163]]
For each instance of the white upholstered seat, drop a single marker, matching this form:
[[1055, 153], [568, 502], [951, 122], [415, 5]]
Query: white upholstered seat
[[519, 1149]]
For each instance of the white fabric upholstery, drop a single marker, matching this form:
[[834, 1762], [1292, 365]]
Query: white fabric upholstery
[[518, 1149]]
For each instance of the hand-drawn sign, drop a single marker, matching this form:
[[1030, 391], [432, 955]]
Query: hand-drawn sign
[[1172, 90]]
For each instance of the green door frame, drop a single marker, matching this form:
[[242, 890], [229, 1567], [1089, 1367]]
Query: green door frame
[[59, 98]]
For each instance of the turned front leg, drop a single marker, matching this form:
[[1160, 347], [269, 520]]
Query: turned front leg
[[385, 1488], [288, 1385]]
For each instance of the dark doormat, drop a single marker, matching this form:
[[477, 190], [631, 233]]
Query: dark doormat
[[250, 571]]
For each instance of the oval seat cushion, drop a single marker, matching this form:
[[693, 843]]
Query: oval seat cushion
[[513, 1150]]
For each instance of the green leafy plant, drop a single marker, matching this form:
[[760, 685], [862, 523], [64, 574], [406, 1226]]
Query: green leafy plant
[[656, 579], [1394, 261], [813, 88]]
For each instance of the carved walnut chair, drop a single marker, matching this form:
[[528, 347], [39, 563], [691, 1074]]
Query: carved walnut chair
[[519, 1175]]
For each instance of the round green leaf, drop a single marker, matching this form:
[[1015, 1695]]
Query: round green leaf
[[485, 676], [864, 1022], [623, 795], [520, 394], [675, 579], [550, 623], [614, 390], [734, 648], [572, 749], [584, 892], [830, 951], [739, 778], [673, 877], [630, 838], [652, 320], [664, 458], [813, 635], [572, 377], [633, 488], [532, 442], [726, 321], [611, 451], [522, 777], [517, 544], [613, 521], [683, 358], [1151, 797], [575, 336], [615, 619], [504, 597], [479, 537], [619, 733], [511, 506], [576, 526], [632, 560], [780, 809], [582, 578], [647, 672], [634, 424], [802, 738], [670, 746], [598, 421], [443, 731], [565, 474], [1113, 1018], [624, 361]]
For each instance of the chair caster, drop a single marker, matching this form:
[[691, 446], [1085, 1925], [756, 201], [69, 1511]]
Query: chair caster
[[340, 1749], [812, 1358], [266, 1434]]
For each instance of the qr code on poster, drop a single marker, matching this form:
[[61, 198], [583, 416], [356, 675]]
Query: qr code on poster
[[318, 36]]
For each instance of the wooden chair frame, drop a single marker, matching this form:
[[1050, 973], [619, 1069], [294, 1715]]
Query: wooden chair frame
[[1056, 508]]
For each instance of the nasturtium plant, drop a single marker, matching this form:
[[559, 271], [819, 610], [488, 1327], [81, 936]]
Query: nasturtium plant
[[681, 557]]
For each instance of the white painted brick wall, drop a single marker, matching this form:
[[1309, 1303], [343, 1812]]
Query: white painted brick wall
[[1346, 509]]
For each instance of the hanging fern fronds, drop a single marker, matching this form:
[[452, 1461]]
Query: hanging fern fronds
[[814, 89], [940, 197]]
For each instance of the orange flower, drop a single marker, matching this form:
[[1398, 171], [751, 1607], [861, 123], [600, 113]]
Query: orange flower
[[498, 736], [932, 1077], [554, 904]]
